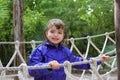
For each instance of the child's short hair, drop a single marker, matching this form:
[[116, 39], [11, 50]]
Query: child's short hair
[[59, 24]]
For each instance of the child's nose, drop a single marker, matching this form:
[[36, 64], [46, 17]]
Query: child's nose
[[56, 34]]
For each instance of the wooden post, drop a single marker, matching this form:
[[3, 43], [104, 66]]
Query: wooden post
[[18, 28], [117, 32]]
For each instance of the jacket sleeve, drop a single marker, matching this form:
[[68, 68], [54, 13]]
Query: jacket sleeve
[[35, 59], [73, 58]]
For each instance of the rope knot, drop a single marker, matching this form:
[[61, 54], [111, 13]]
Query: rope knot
[[67, 63], [67, 66]]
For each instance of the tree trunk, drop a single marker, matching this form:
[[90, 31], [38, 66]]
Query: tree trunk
[[117, 32], [18, 28]]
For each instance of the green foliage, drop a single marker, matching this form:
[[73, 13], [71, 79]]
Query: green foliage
[[6, 31], [34, 23], [5, 21], [82, 18]]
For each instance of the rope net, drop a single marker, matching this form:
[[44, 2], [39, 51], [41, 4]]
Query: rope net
[[94, 72]]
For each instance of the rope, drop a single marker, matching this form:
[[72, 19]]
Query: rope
[[17, 51], [94, 69], [23, 68]]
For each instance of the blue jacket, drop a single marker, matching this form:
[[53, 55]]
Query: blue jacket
[[47, 52]]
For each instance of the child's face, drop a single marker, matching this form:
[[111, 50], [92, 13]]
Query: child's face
[[55, 35]]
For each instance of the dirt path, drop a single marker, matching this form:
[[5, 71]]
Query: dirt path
[[87, 76]]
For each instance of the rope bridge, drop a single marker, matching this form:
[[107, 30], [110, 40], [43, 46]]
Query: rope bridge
[[22, 70]]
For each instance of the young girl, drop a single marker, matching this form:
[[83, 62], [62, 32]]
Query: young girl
[[52, 52]]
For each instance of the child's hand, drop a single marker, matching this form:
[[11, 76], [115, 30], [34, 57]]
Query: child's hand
[[105, 58], [54, 64]]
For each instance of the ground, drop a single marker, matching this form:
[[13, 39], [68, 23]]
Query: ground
[[87, 76]]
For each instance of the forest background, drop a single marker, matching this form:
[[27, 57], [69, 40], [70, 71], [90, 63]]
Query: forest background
[[82, 18]]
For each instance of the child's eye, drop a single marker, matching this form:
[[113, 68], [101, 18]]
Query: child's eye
[[52, 31], [59, 32]]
